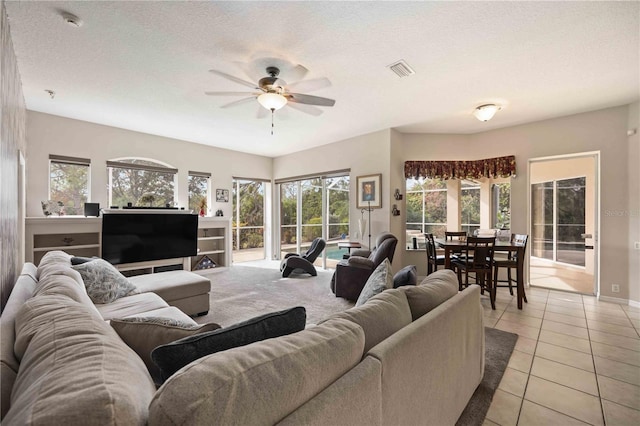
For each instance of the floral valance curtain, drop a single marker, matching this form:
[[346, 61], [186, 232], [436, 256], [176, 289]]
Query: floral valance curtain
[[488, 168]]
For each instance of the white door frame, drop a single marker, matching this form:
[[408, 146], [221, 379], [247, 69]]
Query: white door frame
[[596, 237]]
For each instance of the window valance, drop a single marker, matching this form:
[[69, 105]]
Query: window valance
[[475, 169]]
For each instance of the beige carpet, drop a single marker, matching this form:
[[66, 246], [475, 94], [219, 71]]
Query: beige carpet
[[244, 291]]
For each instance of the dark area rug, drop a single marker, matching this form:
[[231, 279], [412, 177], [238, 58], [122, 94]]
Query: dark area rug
[[498, 348]]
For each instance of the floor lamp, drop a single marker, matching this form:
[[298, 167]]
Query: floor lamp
[[363, 223]]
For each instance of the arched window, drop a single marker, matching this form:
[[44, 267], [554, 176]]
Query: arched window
[[142, 182]]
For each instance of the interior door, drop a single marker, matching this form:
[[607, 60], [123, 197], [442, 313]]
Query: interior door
[[563, 223]]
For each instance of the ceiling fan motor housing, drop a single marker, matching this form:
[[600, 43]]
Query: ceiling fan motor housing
[[272, 83]]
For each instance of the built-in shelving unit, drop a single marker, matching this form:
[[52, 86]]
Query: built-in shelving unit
[[81, 236]]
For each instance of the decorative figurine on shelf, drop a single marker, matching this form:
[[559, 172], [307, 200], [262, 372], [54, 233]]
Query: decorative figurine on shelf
[[202, 207], [51, 207], [219, 213]]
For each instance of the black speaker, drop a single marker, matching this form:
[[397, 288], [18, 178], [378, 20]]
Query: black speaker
[[92, 209]]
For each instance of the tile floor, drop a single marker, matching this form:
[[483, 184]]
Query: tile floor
[[576, 362]]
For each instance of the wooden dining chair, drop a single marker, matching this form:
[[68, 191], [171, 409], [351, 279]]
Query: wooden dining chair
[[433, 259], [477, 259], [510, 262], [455, 235]]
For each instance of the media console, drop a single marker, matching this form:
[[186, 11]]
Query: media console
[[82, 236]]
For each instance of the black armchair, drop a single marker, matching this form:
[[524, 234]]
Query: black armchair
[[304, 262], [351, 274]]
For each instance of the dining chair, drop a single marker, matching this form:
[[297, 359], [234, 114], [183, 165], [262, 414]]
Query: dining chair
[[477, 259], [433, 259], [509, 262], [455, 235]]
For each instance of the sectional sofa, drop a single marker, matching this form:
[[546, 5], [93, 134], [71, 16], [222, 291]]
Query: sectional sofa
[[411, 355]]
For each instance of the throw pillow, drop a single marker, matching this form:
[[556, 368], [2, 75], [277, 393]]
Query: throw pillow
[[173, 356], [143, 334], [79, 260], [441, 286], [405, 276], [103, 281], [377, 282]]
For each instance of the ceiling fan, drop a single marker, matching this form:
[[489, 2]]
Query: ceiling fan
[[274, 93]]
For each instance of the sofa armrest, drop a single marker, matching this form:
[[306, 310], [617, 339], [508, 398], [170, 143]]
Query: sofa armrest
[[359, 262]]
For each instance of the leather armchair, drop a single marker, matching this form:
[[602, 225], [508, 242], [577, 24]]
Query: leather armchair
[[303, 263], [351, 274]]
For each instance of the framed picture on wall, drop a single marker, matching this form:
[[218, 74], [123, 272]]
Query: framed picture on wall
[[222, 195], [369, 191]]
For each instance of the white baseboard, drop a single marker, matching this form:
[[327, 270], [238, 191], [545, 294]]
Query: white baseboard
[[634, 303], [615, 300]]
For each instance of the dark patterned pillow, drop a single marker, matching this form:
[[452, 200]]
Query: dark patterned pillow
[[78, 260], [405, 276], [143, 334], [103, 281], [173, 356]]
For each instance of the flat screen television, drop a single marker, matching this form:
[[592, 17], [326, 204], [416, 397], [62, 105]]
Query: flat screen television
[[140, 237]]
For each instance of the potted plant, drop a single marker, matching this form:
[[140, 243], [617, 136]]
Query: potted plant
[[202, 206]]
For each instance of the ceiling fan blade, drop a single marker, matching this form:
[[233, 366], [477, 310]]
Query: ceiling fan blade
[[230, 94], [307, 109], [235, 79], [310, 100], [238, 102], [310, 85]]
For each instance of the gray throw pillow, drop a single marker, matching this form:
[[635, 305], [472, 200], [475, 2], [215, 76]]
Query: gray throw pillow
[[405, 276], [173, 356], [103, 281], [440, 286], [143, 334], [380, 280]]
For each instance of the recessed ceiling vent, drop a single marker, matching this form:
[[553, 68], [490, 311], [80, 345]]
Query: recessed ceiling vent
[[401, 68]]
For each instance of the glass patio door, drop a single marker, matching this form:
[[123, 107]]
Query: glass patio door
[[564, 221]]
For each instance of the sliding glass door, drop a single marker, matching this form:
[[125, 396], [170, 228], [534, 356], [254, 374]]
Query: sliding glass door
[[312, 208], [248, 220]]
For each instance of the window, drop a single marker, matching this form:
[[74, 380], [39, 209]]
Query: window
[[198, 190], [427, 206], [501, 205], [141, 182], [470, 206], [69, 182], [313, 207], [248, 218]]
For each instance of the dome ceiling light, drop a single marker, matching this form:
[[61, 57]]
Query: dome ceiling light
[[486, 112]]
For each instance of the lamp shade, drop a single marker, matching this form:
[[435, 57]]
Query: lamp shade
[[272, 101], [486, 112]]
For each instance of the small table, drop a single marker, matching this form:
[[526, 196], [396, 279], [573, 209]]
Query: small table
[[449, 246], [349, 245]]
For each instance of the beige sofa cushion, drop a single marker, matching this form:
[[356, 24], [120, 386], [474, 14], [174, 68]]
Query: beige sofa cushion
[[65, 283], [144, 333], [9, 364], [260, 383], [51, 262], [435, 289], [172, 285], [380, 317], [75, 369], [131, 305]]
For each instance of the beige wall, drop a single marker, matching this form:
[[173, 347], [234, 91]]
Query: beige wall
[[50, 134], [12, 135]]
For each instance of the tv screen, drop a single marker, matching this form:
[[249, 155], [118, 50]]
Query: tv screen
[[140, 237]]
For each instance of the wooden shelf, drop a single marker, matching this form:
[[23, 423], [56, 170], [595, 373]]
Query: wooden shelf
[[63, 248]]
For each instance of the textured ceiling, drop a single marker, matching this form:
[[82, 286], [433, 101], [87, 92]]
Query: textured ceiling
[[144, 65]]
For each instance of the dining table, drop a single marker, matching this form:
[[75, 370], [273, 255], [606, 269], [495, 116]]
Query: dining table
[[450, 246]]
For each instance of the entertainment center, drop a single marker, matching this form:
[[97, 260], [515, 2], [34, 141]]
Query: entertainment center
[[82, 236]]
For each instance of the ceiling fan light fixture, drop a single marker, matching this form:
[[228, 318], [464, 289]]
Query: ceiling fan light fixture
[[486, 112], [272, 101]]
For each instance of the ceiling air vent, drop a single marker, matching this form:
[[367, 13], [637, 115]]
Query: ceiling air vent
[[401, 68]]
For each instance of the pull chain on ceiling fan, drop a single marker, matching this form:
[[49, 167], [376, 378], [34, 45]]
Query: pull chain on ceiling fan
[[273, 93]]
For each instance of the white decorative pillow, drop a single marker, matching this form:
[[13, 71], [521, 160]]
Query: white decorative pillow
[[380, 280], [103, 281]]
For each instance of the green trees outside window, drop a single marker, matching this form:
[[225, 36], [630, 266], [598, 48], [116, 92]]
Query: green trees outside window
[[248, 214], [140, 182], [470, 206], [198, 192], [427, 206], [69, 183]]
